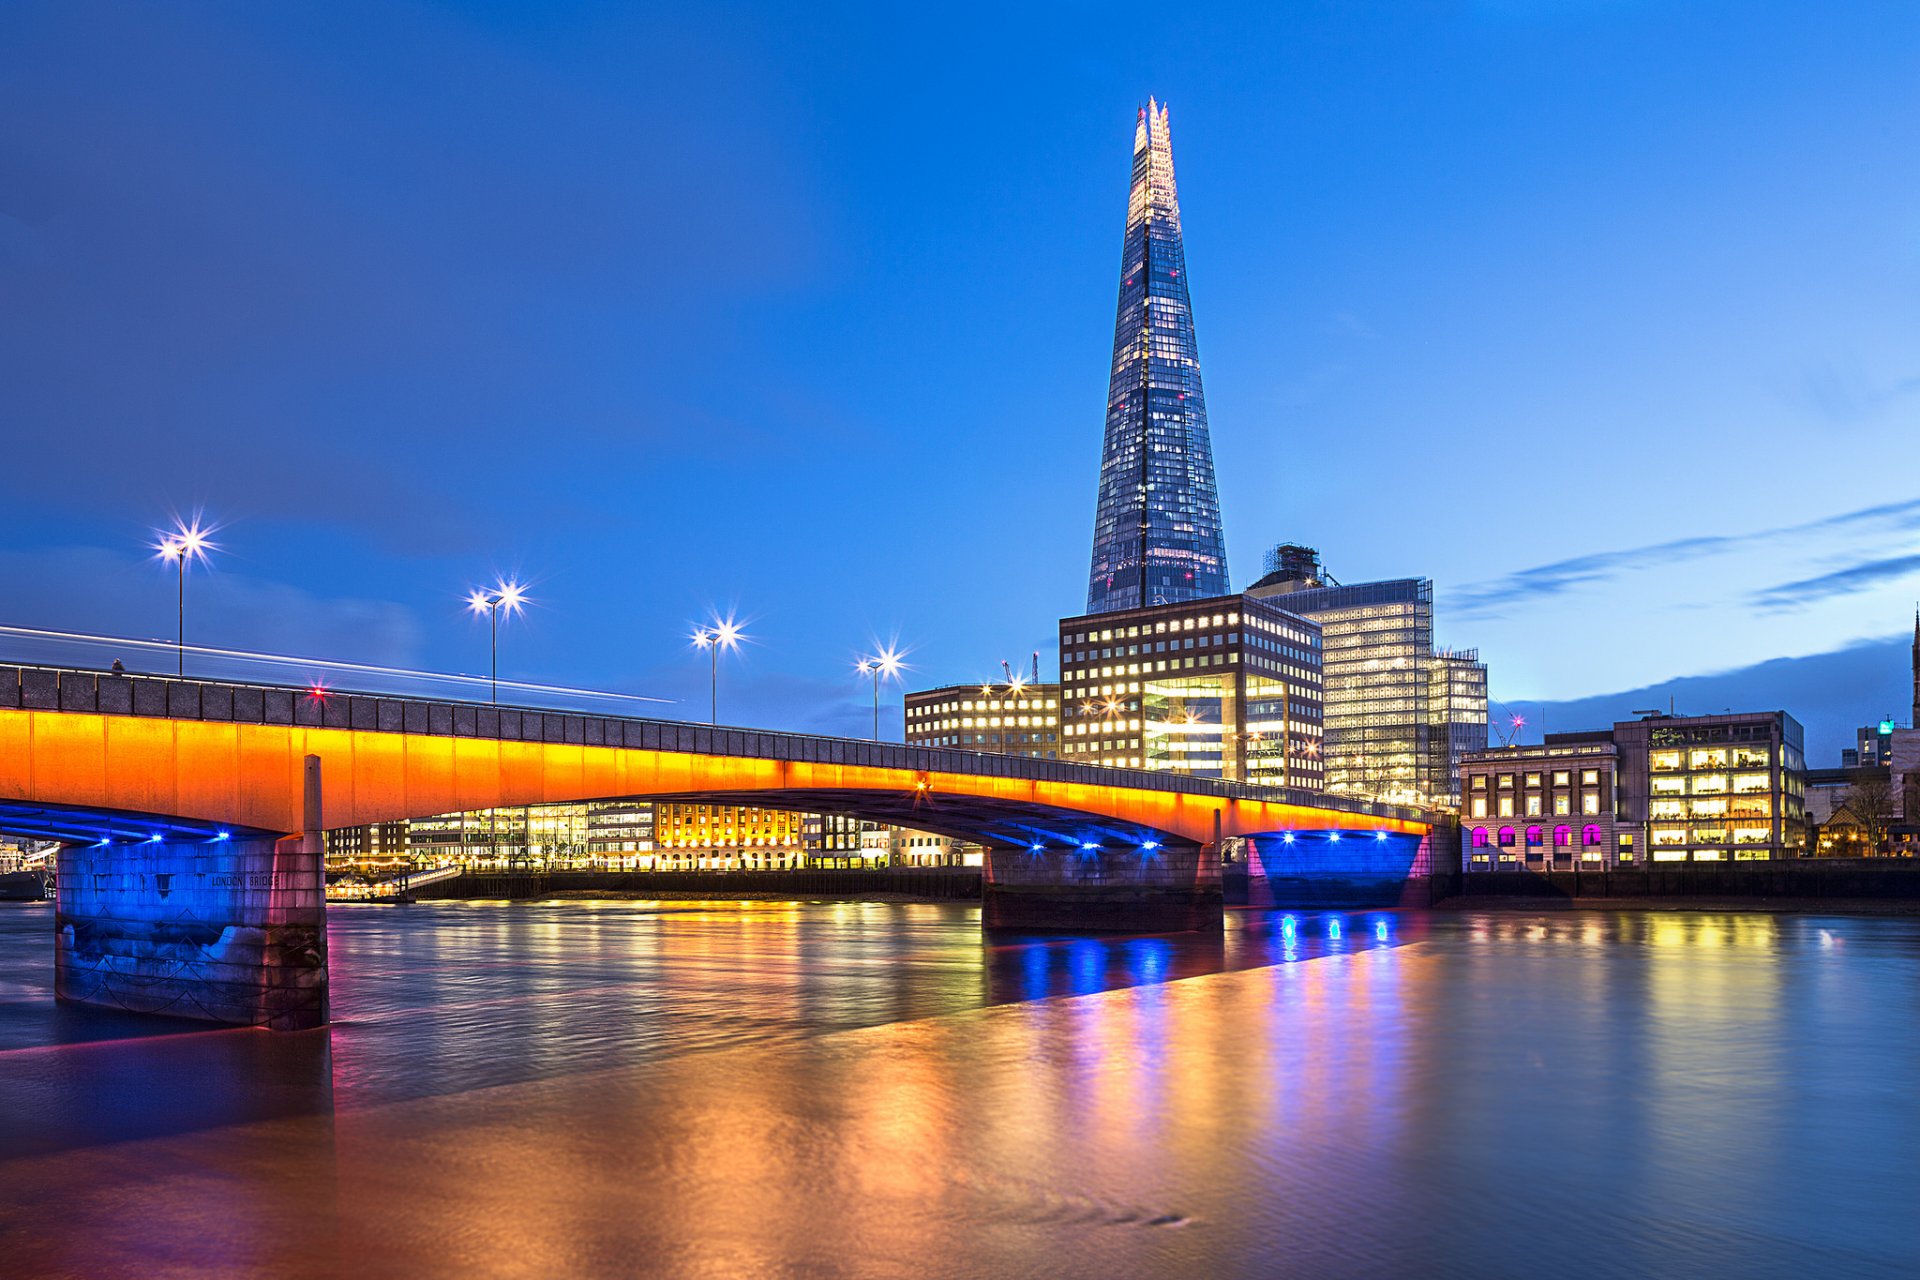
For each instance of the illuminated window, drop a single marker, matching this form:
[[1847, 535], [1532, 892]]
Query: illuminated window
[[1663, 761]]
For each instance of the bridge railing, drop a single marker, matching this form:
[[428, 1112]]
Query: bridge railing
[[85, 690]]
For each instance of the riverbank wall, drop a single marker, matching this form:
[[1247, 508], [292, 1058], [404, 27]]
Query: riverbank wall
[[940, 884], [1801, 879]]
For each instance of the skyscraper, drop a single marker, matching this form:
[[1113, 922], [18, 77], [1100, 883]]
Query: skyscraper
[[1156, 529], [1399, 714]]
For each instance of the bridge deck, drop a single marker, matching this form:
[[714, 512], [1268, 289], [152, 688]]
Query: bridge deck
[[81, 690]]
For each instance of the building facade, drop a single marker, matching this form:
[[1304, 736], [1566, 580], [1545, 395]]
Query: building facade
[[1664, 789], [1156, 534], [1541, 808], [722, 837], [1716, 788], [1015, 719], [1223, 688], [1400, 715]]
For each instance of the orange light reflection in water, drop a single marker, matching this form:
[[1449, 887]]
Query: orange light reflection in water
[[1366, 1108]]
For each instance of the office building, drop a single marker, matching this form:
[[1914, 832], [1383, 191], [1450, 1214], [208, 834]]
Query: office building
[[1400, 714], [1015, 718], [1156, 534], [1221, 688], [1873, 745], [1713, 788]]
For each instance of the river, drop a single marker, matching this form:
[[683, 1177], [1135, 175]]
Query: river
[[866, 1089]]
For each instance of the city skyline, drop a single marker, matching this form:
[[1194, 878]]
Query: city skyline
[[237, 335]]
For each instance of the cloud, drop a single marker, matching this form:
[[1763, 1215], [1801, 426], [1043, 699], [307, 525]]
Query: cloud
[[1859, 577], [1485, 599], [1480, 599], [1831, 694]]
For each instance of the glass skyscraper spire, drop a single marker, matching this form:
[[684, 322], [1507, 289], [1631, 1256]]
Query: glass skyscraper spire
[[1156, 531]]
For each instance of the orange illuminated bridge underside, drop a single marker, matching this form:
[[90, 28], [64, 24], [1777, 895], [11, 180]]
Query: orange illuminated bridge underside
[[250, 775]]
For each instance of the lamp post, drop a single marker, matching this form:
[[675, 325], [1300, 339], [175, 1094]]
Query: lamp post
[[885, 663], [510, 596], [186, 543], [721, 635]]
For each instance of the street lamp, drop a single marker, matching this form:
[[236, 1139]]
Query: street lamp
[[721, 635], [885, 663], [511, 597], [186, 543]]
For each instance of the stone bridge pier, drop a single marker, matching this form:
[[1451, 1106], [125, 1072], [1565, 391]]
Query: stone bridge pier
[[231, 928], [1104, 886]]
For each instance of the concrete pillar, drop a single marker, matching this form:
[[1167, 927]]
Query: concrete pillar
[[227, 930], [1128, 889]]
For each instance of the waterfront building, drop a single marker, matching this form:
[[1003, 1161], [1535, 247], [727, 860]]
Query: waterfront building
[[831, 839], [375, 851], [925, 849], [1227, 687], [1903, 766], [1015, 718], [1713, 788], [1851, 811], [619, 827], [602, 833], [1400, 714], [708, 837], [1541, 808], [1156, 535]]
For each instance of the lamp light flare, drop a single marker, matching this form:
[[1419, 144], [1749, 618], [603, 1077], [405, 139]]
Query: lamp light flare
[[185, 542]]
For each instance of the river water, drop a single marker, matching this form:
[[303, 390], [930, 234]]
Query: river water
[[860, 1089]]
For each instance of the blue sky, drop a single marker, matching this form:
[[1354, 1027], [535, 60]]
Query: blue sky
[[1603, 314]]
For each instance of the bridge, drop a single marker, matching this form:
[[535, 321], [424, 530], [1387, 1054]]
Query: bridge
[[192, 815]]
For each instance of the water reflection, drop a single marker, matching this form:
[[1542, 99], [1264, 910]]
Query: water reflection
[[875, 1090]]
